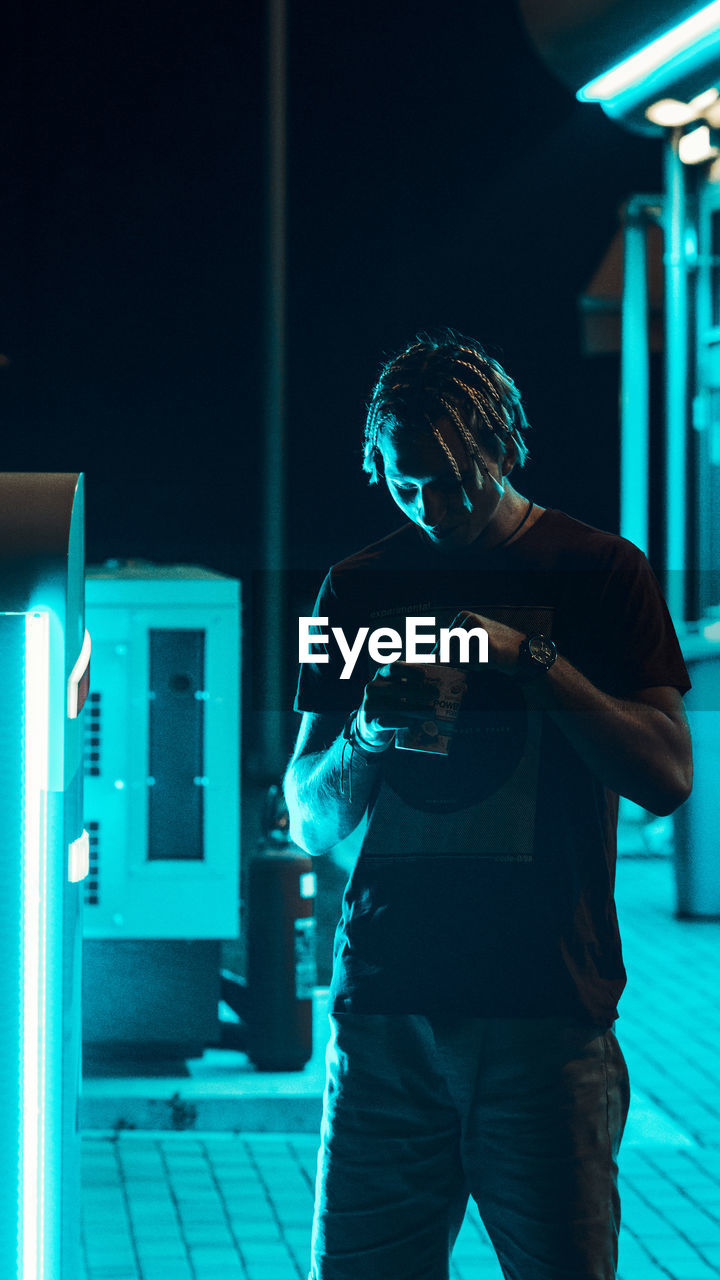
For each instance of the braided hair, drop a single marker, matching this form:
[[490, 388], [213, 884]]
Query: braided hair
[[450, 376]]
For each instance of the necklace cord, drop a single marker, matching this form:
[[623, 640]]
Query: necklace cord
[[517, 528]]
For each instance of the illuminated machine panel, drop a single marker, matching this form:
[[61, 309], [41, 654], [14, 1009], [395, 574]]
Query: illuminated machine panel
[[45, 654], [162, 753]]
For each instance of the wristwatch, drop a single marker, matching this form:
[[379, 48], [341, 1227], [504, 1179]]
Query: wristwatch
[[535, 656]]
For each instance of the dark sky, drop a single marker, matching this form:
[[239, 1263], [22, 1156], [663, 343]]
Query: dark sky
[[437, 175]]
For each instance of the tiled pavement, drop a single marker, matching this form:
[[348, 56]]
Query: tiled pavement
[[217, 1206]]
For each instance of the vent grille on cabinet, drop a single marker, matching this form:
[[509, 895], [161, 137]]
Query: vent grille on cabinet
[[92, 884], [93, 736]]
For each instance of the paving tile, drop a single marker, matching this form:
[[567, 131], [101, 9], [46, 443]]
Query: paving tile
[[272, 1273], [205, 1228], [117, 1260], [254, 1250], [250, 1231], [245, 1201], [230, 1271], [213, 1254], [167, 1271], [115, 1272], [150, 1251]]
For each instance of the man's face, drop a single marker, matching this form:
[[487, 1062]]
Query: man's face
[[424, 486]]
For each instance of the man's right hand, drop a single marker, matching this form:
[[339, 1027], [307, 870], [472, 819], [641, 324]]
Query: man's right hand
[[397, 695]]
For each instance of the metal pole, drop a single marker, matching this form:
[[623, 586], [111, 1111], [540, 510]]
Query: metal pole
[[635, 379], [676, 379], [273, 557]]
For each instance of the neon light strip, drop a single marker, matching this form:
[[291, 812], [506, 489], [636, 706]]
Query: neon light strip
[[660, 52], [37, 715]]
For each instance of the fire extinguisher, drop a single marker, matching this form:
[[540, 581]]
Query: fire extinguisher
[[281, 955]]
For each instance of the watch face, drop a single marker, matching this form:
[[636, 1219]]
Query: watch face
[[541, 649], [541, 652]]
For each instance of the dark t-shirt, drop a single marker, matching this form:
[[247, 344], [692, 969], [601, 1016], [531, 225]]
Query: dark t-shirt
[[485, 880]]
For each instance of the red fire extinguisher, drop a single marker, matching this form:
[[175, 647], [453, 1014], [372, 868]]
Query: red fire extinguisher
[[281, 955]]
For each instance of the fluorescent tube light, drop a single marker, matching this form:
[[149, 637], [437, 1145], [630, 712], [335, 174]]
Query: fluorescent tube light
[[36, 749], [702, 101], [669, 113], [695, 147], [660, 53], [711, 115]]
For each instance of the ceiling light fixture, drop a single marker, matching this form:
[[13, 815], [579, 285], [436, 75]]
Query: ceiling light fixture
[[696, 35], [696, 147], [672, 114]]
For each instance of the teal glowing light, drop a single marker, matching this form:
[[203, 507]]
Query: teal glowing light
[[678, 49], [36, 756]]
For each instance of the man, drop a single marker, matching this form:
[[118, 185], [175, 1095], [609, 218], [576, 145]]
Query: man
[[478, 962]]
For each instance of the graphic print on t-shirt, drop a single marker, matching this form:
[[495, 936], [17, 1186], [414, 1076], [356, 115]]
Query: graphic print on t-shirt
[[480, 799]]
